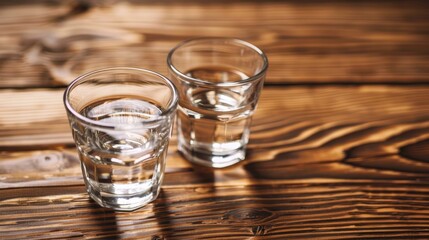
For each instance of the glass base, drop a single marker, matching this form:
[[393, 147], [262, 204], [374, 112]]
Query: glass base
[[211, 159], [121, 203], [121, 197]]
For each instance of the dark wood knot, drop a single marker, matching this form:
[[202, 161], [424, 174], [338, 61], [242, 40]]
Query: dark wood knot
[[248, 215], [156, 237], [250, 219]]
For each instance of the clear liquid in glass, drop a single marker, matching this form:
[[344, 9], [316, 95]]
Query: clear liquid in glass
[[123, 167], [213, 123]]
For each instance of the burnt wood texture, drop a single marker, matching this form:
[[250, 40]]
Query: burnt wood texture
[[339, 145]]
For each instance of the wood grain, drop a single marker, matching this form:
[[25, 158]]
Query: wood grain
[[338, 128], [333, 162], [294, 210], [339, 144], [50, 42]]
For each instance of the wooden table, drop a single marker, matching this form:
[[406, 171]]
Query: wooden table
[[339, 146]]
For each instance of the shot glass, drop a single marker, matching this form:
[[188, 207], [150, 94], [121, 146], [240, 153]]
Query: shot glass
[[219, 81], [121, 121]]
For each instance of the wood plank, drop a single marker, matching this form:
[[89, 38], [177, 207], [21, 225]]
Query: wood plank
[[34, 117], [297, 210], [307, 42]]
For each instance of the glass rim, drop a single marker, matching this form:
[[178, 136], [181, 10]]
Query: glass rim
[[254, 77], [80, 79]]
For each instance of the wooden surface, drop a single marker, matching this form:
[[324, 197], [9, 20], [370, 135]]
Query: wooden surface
[[339, 146], [306, 41]]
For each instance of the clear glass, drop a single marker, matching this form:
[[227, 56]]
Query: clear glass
[[219, 81], [121, 121]]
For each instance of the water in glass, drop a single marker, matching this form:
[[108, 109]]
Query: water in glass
[[213, 123], [123, 167]]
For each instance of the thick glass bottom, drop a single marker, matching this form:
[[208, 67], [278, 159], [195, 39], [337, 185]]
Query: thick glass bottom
[[212, 158], [121, 197]]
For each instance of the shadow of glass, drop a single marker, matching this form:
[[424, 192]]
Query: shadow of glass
[[105, 222]]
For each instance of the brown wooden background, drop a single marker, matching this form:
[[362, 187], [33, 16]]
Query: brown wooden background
[[339, 146]]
